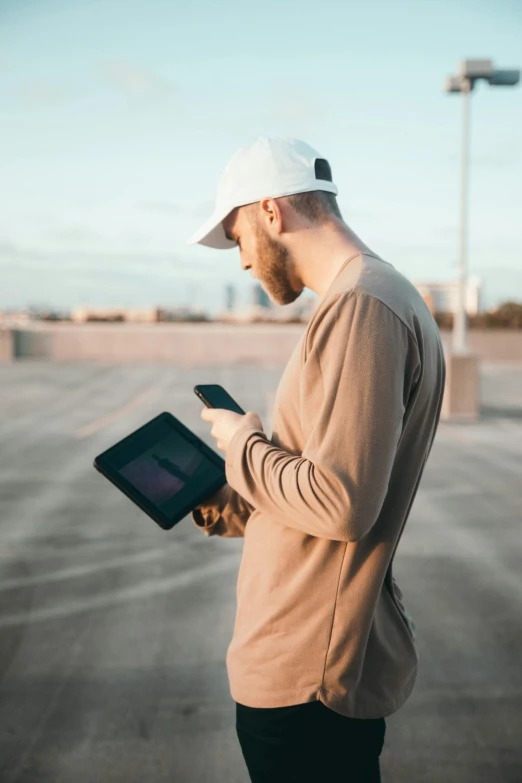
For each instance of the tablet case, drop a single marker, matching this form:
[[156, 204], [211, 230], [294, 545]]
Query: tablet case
[[166, 522]]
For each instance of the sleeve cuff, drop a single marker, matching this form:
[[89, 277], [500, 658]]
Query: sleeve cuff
[[207, 515], [202, 521], [236, 447]]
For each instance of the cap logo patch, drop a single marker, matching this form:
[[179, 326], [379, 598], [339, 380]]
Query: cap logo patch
[[323, 170]]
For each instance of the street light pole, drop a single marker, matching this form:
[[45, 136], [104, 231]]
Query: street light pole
[[460, 327], [470, 72]]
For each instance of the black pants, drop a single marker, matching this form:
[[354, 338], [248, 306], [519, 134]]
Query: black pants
[[309, 742]]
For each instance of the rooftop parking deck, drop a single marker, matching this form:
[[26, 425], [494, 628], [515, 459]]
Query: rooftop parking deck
[[113, 633]]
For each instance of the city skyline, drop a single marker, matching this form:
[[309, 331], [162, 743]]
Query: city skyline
[[115, 139]]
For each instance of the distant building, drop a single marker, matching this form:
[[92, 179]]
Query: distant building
[[443, 297], [230, 298], [182, 314], [127, 314], [262, 308], [299, 310], [260, 297]]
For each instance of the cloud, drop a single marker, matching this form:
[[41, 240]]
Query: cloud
[[204, 209], [136, 81], [79, 234], [40, 94], [289, 106], [504, 156], [7, 248], [123, 263], [68, 277], [165, 207]]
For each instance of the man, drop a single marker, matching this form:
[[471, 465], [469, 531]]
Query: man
[[323, 648]]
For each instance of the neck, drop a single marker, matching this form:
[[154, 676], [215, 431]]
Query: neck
[[319, 253]]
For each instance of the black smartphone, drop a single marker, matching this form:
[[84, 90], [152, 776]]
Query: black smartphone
[[215, 396]]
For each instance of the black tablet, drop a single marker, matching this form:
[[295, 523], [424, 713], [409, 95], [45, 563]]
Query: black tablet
[[164, 468]]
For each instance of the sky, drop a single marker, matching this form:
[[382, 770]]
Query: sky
[[118, 117]]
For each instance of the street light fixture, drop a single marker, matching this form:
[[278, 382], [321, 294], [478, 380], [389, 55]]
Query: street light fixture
[[470, 72]]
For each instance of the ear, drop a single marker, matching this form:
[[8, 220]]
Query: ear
[[272, 211]]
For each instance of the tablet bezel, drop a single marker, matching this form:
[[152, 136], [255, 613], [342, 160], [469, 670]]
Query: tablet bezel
[[166, 523]]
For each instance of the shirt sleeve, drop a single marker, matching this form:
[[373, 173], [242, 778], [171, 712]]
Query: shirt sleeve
[[224, 513], [360, 363]]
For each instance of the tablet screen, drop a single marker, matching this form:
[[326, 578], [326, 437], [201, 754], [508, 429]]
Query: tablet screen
[[163, 466]]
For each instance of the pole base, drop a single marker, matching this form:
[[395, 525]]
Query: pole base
[[461, 399]]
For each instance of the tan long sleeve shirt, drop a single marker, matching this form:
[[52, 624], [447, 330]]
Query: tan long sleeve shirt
[[323, 502]]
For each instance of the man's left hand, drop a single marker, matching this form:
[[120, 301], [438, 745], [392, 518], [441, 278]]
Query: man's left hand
[[226, 423]]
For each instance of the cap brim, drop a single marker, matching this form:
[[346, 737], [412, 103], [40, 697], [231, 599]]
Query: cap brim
[[212, 233]]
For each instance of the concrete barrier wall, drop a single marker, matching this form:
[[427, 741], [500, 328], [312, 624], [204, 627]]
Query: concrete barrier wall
[[199, 343]]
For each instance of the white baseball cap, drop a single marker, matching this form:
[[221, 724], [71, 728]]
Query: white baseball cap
[[270, 167]]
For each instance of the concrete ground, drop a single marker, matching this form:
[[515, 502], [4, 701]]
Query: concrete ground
[[113, 633]]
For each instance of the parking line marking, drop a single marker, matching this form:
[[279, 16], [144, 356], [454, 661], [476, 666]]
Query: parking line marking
[[103, 421]]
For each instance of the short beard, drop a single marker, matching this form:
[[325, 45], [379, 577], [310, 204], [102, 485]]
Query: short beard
[[273, 263]]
